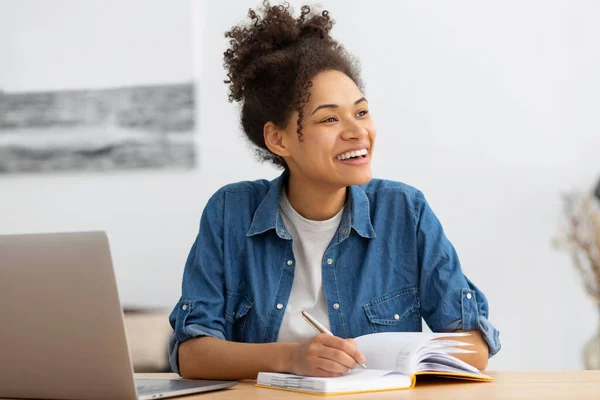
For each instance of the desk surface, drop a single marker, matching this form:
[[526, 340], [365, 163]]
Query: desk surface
[[577, 385]]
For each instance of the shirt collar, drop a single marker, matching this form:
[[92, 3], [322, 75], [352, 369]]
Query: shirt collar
[[356, 213], [359, 215], [267, 214]]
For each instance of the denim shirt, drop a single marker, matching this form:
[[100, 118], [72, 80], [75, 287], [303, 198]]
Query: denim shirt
[[388, 266]]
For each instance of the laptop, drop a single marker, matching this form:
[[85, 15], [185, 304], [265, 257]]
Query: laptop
[[62, 334]]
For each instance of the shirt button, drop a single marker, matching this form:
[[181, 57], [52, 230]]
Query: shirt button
[[279, 306], [336, 306], [396, 317], [184, 307], [290, 262], [330, 261], [282, 231], [469, 296]]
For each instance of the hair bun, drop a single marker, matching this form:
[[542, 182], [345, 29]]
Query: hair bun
[[261, 42]]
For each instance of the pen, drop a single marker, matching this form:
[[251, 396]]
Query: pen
[[319, 327]]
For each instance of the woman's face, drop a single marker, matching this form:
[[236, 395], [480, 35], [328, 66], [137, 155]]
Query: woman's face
[[338, 134]]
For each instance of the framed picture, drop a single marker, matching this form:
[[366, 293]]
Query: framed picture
[[96, 86]]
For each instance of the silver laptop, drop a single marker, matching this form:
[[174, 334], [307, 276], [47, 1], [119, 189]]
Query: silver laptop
[[61, 324]]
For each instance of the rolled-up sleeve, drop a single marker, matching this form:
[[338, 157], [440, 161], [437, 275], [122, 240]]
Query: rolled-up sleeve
[[449, 300], [200, 310]]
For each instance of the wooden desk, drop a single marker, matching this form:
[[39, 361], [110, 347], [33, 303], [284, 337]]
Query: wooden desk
[[577, 385]]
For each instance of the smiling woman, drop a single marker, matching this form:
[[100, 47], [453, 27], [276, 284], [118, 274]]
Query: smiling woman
[[336, 147], [361, 255]]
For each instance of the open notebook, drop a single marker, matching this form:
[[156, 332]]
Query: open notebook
[[394, 359]]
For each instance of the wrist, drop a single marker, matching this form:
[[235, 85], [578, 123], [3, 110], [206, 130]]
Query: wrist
[[284, 360]]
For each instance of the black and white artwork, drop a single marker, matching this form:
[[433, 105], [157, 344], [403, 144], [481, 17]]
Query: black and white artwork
[[121, 128], [97, 86]]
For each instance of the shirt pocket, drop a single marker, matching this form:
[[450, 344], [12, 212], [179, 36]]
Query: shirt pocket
[[395, 312], [237, 308]]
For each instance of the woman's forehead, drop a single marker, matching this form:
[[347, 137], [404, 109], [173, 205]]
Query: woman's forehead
[[333, 87]]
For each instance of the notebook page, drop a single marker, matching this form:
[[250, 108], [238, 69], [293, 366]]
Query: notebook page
[[357, 380], [442, 361], [396, 350]]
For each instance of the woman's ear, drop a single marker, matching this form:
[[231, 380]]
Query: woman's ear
[[275, 139]]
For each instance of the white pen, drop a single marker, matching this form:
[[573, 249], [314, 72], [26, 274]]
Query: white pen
[[319, 327]]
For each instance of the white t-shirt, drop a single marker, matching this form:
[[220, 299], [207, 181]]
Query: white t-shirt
[[310, 240]]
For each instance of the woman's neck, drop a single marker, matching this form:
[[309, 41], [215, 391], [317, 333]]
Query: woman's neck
[[314, 202]]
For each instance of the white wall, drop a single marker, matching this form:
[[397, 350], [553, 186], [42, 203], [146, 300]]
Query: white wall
[[489, 108]]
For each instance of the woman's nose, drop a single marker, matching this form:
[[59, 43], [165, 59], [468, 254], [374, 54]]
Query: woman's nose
[[354, 130]]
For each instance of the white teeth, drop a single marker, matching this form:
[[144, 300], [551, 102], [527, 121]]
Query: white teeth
[[351, 154]]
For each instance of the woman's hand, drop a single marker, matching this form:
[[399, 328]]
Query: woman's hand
[[325, 355]]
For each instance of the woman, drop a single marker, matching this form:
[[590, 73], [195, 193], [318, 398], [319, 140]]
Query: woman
[[361, 255]]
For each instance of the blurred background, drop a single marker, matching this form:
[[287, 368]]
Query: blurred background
[[114, 116]]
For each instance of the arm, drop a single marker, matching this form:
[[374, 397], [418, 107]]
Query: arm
[[449, 300], [480, 359], [212, 358]]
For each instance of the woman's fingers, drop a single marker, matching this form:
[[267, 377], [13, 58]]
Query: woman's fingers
[[347, 346], [338, 356], [325, 355]]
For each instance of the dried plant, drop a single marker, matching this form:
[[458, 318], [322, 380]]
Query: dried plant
[[580, 236]]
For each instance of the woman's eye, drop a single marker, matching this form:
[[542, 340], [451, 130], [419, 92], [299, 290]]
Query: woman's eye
[[330, 119], [362, 113]]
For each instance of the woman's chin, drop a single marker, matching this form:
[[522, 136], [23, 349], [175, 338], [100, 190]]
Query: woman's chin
[[359, 177]]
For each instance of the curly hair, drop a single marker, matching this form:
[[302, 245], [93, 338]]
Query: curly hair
[[271, 62]]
